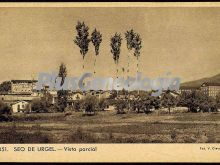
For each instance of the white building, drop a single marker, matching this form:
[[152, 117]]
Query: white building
[[77, 96], [20, 106], [210, 89], [73, 97]]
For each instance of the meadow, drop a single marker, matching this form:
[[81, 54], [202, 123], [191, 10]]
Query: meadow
[[109, 127]]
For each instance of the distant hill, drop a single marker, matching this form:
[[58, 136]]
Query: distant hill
[[198, 83]]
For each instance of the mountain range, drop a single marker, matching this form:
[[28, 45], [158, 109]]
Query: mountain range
[[199, 82]]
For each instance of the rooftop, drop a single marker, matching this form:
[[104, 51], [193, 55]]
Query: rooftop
[[210, 84], [23, 81], [187, 87]]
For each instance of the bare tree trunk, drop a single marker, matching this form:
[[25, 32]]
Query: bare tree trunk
[[117, 76], [137, 71], [83, 65], [94, 66], [129, 105], [83, 68]]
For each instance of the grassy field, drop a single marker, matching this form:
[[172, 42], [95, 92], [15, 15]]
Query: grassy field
[[108, 127]]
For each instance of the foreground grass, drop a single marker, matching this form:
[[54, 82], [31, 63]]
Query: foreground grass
[[107, 127]]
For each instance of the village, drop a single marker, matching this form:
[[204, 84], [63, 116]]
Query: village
[[23, 92]]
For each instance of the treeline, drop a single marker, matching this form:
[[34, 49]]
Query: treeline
[[195, 101], [82, 40], [142, 102]]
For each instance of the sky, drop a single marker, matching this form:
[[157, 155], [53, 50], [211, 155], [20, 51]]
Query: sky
[[182, 41]]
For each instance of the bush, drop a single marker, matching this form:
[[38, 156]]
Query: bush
[[4, 109], [5, 118], [102, 104], [61, 100], [5, 112], [39, 106], [76, 105], [111, 101], [173, 135], [208, 105], [218, 100], [168, 100], [120, 106], [198, 101], [90, 103], [144, 102]]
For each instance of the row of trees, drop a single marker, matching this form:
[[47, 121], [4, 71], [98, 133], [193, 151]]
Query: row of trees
[[144, 102], [82, 40], [133, 42], [195, 101], [89, 104], [198, 101]]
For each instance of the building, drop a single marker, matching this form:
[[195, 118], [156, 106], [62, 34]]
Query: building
[[106, 94], [10, 98], [22, 92], [188, 89], [173, 93], [23, 86], [94, 93], [76, 96], [73, 97], [99, 93], [51, 95], [20, 106], [210, 89]]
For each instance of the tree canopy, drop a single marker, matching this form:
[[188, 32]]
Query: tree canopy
[[5, 86], [116, 47], [82, 38], [96, 40]]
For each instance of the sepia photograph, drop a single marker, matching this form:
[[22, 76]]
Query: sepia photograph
[[109, 75]]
